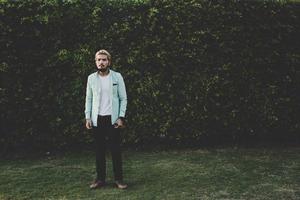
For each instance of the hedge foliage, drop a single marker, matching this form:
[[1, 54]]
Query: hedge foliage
[[194, 69]]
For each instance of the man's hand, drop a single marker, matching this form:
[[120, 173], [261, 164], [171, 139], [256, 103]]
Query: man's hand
[[88, 124], [119, 123]]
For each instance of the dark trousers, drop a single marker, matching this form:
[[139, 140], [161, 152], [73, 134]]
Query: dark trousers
[[107, 136]]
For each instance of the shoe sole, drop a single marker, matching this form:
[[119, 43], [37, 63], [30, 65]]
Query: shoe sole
[[97, 187], [122, 188]]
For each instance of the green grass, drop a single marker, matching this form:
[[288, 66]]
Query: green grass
[[226, 173]]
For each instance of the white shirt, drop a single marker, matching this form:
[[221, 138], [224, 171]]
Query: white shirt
[[105, 96]]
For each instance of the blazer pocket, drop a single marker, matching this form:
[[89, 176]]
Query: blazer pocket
[[115, 88]]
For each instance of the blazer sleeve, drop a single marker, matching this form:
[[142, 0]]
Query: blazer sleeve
[[88, 100], [122, 96]]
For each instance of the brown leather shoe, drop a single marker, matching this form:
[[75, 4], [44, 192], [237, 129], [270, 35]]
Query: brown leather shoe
[[97, 184], [121, 185]]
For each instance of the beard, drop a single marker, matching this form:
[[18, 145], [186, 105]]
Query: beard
[[102, 69]]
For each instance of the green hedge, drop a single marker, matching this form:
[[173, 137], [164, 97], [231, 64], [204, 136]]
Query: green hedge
[[194, 70]]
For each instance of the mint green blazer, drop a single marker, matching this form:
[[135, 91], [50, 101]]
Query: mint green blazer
[[118, 97]]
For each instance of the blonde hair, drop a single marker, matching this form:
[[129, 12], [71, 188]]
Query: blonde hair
[[104, 52]]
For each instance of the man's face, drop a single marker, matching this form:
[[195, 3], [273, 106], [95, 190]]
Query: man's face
[[102, 62]]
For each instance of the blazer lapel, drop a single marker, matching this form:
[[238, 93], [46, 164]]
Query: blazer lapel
[[97, 83], [111, 80]]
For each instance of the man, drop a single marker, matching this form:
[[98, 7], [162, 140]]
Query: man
[[105, 108]]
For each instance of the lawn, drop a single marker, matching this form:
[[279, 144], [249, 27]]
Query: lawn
[[208, 173]]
